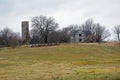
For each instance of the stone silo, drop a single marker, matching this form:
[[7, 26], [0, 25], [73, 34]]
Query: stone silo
[[25, 33]]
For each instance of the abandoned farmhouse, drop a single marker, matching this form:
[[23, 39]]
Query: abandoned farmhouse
[[78, 36]]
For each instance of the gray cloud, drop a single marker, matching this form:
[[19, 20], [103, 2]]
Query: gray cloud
[[66, 12]]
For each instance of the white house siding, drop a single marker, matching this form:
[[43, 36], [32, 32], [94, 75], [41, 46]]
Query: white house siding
[[76, 38]]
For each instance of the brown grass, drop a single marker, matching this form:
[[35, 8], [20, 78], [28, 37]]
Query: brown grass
[[67, 61]]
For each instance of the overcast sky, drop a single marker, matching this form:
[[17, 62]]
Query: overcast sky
[[65, 12]]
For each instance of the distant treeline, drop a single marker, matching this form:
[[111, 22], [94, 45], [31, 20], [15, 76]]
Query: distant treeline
[[46, 30]]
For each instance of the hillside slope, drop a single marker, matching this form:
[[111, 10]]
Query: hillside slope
[[66, 61]]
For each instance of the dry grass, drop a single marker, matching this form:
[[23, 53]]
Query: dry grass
[[115, 43], [66, 61]]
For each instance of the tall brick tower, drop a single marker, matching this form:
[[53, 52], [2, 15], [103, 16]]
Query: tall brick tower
[[25, 33]]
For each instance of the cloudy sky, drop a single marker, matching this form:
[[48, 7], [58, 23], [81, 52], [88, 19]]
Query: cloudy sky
[[65, 12]]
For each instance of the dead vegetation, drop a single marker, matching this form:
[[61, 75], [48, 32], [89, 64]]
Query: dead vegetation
[[103, 44]]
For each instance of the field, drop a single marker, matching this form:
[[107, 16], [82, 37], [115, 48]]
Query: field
[[61, 62]]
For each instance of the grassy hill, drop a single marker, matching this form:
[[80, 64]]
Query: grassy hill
[[62, 62]]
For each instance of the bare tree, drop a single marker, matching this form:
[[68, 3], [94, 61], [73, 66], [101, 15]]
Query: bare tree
[[96, 32], [54, 37], [117, 31], [100, 33], [5, 35], [35, 37], [71, 28], [64, 33], [89, 27], [9, 38], [44, 26]]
